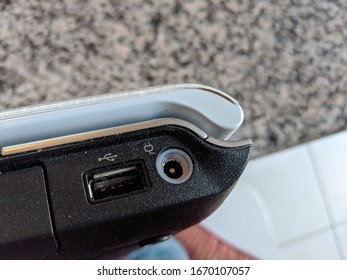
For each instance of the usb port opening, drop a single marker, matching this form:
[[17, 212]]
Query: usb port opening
[[115, 181]]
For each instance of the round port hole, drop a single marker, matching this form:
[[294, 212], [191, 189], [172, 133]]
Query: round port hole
[[174, 166]]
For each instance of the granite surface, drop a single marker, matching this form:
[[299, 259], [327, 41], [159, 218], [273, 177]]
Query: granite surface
[[284, 61]]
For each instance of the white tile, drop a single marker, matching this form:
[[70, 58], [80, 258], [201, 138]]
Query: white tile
[[287, 186], [341, 234], [319, 246], [329, 159], [240, 222]]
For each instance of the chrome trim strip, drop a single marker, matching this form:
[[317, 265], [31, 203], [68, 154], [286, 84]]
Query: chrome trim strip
[[58, 141], [229, 144], [62, 140]]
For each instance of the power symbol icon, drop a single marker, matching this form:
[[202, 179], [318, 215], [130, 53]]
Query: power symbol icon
[[149, 148]]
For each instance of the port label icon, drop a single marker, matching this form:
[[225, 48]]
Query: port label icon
[[108, 157], [149, 148]]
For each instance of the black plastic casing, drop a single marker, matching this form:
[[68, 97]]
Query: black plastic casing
[[81, 229]]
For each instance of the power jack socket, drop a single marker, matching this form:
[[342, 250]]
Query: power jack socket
[[174, 166]]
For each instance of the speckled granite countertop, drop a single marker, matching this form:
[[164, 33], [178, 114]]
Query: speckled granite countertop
[[284, 61]]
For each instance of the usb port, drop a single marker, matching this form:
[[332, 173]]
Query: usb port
[[115, 181]]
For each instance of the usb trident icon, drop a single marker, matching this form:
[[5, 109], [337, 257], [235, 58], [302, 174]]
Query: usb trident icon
[[148, 148], [108, 157]]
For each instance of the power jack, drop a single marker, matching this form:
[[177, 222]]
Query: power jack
[[174, 166]]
